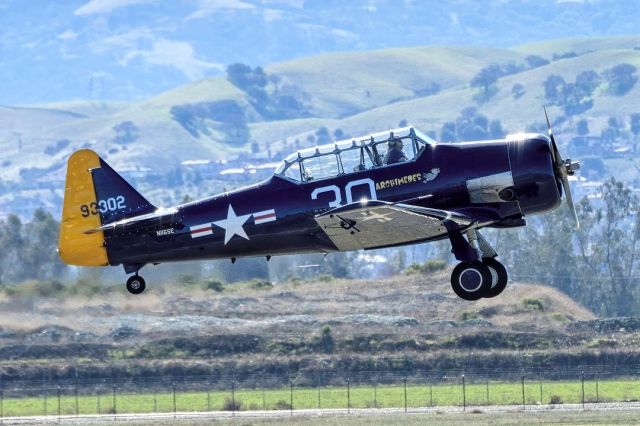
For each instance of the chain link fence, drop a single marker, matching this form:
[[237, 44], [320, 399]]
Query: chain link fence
[[323, 390]]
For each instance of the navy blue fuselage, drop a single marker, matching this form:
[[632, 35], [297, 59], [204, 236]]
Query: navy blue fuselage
[[496, 183]]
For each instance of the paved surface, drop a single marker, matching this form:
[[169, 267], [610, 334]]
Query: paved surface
[[272, 414]]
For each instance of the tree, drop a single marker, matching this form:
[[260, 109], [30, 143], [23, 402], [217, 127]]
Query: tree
[[495, 129], [322, 136], [39, 256], [11, 247], [598, 265], [592, 167], [227, 116], [28, 251], [609, 245], [575, 100], [448, 132], [588, 81], [253, 82], [621, 79], [553, 86], [326, 341], [126, 132], [245, 78], [634, 126], [634, 123], [486, 77], [582, 127], [337, 265], [536, 61], [610, 133], [517, 91], [471, 126]]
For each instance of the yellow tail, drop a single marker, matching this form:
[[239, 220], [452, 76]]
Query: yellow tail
[[76, 247]]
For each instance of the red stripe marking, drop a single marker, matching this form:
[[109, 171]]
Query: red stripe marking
[[264, 216], [201, 230]]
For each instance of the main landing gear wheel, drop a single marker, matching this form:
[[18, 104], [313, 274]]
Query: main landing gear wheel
[[471, 280], [499, 277], [136, 284]]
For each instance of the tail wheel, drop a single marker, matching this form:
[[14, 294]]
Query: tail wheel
[[471, 280], [136, 284], [499, 277]]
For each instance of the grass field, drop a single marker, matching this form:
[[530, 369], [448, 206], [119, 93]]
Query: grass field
[[488, 393]]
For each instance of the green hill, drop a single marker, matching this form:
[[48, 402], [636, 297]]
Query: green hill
[[356, 92]]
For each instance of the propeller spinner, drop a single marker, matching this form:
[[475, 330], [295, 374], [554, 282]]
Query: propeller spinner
[[563, 169]]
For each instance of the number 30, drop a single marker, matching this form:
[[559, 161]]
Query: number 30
[[348, 190]]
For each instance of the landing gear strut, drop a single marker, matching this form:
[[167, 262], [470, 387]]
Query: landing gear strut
[[478, 274], [136, 284]]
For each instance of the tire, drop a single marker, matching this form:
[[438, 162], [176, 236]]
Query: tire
[[499, 277], [136, 284], [471, 280]]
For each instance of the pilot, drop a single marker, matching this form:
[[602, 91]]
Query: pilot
[[395, 153]]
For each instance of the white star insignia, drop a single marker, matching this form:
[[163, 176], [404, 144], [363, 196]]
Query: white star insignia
[[232, 225]]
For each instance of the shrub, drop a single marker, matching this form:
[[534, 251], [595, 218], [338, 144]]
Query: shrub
[[33, 288], [555, 399], [533, 304], [468, 316], [52, 288], [85, 287], [231, 405], [325, 278], [559, 317], [261, 285], [326, 341], [295, 281], [213, 285], [434, 265], [427, 267], [187, 279], [282, 405], [489, 311]]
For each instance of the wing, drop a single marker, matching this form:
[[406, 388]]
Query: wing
[[382, 224]]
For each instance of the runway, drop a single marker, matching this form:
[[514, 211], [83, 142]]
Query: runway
[[180, 417]]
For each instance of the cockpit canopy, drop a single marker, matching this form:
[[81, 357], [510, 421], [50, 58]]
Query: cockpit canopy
[[354, 155]]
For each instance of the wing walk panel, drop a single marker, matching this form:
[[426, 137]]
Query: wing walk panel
[[383, 225]]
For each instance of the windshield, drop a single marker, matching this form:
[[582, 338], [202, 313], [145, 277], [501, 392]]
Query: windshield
[[354, 155]]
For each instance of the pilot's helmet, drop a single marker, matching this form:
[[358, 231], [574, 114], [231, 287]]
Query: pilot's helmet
[[395, 142]]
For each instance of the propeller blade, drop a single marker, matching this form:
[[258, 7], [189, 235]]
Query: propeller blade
[[563, 170], [567, 191], [549, 130]]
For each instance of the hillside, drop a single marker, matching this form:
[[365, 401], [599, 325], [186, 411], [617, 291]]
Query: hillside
[[252, 326], [127, 50], [352, 92]]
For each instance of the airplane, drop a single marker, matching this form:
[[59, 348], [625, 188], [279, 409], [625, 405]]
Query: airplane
[[387, 189]]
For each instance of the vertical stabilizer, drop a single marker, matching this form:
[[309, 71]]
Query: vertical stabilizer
[[94, 195]]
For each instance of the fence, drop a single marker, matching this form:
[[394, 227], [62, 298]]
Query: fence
[[364, 389]]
